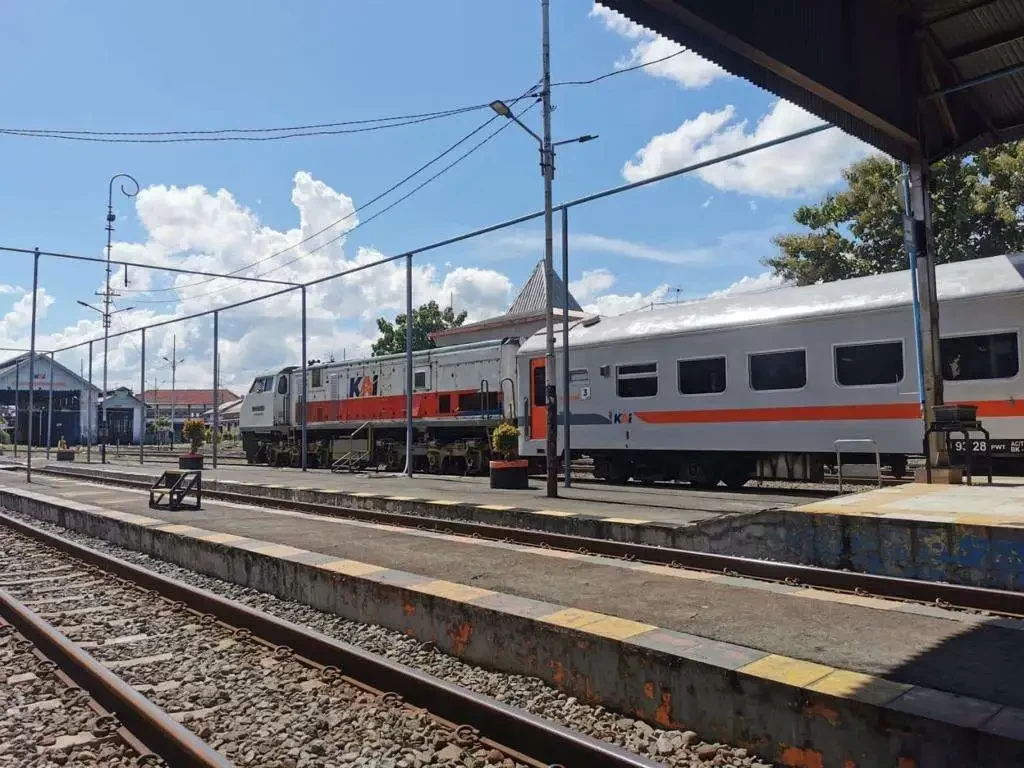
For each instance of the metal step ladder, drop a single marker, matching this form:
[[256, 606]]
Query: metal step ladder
[[174, 486]]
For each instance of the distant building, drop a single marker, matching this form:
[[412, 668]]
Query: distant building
[[187, 404], [228, 414], [124, 416], [526, 315], [72, 398]]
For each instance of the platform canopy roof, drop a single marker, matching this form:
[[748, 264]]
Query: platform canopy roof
[[944, 75]]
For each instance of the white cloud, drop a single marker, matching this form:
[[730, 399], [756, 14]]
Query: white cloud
[[196, 228], [592, 283], [5, 288], [611, 304], [765, 281], [795, 168], [687, 68], [707, 202]]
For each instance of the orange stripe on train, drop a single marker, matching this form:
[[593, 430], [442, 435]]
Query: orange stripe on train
[[869, 412]]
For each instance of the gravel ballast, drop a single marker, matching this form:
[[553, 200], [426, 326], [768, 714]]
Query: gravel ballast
[[684, 749]]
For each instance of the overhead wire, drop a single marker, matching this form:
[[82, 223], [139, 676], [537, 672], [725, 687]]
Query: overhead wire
[[362, 223]]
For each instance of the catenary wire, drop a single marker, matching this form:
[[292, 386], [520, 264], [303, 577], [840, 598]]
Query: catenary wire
[[347, 216], [384, 210]]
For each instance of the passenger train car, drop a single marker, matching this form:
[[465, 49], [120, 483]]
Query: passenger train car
[[357, 409], [723, 389]]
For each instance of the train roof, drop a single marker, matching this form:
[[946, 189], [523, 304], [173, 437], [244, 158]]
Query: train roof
[[965, 279]]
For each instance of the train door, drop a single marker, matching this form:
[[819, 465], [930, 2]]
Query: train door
[[282, 414], [538, 400]]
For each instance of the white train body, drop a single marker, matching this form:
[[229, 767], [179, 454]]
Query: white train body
[[457, 395], [723, 388]]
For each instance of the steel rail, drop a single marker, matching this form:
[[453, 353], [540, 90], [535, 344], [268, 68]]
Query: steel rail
[[959, 595], [491, 718], [154, 727]]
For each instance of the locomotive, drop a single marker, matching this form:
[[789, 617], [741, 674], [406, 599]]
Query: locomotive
[[718, 390]]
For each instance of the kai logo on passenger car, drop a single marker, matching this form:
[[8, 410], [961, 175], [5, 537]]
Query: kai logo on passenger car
[[620, 417], [362, 386]]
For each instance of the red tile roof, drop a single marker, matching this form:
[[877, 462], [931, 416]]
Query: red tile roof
[[203, 397]]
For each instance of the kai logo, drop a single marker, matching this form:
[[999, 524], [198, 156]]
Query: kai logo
[[362, 386], [620, 417]]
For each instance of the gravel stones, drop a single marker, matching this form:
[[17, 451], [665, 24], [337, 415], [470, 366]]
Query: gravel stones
[[670, 747]]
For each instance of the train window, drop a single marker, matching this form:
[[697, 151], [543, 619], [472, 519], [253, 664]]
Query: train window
[[316, 377], [282, 385], [539, 396], [985, 356], [419, 380], [858, 365], [778, 370], [702, 376], [444, 404], [636, 380]]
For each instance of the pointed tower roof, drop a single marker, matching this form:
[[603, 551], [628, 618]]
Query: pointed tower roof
[[533, 298]]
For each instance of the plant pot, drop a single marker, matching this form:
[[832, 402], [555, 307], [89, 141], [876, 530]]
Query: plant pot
[[190, 461], [65, 455], [510, 475]]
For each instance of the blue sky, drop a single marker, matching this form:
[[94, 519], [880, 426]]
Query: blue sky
[[127, 66]]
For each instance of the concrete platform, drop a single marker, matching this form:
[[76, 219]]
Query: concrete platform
[[805, 677], [957, 533]]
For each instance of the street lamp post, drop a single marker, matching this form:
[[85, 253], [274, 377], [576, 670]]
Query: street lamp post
[[108, 295], [547, 168], [174, 370]]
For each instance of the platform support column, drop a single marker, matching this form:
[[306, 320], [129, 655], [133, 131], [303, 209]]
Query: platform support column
[[408, 365], [304, 392], [142, 393], [216, 398], [924, 250]]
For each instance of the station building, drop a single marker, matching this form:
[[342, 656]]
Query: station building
[[73, 400]]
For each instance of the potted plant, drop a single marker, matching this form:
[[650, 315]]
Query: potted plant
[[63, 452], [508, 471], [194, 430]]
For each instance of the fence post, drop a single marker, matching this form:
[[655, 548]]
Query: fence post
[[32, 364], [88, 434], [142, 393], [216, 375], [565, 343], [408, 365], [49, 412], [17, 402], [304, 393]]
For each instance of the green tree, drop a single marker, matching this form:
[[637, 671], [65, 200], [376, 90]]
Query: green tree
[[425, 320], [977, 210]]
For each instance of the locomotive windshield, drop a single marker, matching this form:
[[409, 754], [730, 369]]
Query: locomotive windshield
[[262, 384]]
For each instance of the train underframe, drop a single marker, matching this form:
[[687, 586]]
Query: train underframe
[[706, 469], [443, 450]]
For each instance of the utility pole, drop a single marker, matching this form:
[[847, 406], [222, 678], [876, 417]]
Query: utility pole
[[108, 296], [174, 370], [547, 163]]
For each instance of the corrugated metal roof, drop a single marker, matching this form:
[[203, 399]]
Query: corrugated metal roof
[[959, 280], [533, 298], [186, 396], [871, 67]]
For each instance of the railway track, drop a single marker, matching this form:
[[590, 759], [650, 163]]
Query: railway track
[[1003, 602], [204, 681]]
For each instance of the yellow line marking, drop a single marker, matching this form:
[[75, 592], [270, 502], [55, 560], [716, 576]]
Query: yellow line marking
[[351, 567], [222, 538], [452, 590], [494, 507], [401, 498], [680, 573], [276, 550], [626, 520], [364, 494], [853, 685], [574, 618], [618, 629], [179, 528], [445, 502], [783, 669], [553, 512], [839, 597]]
